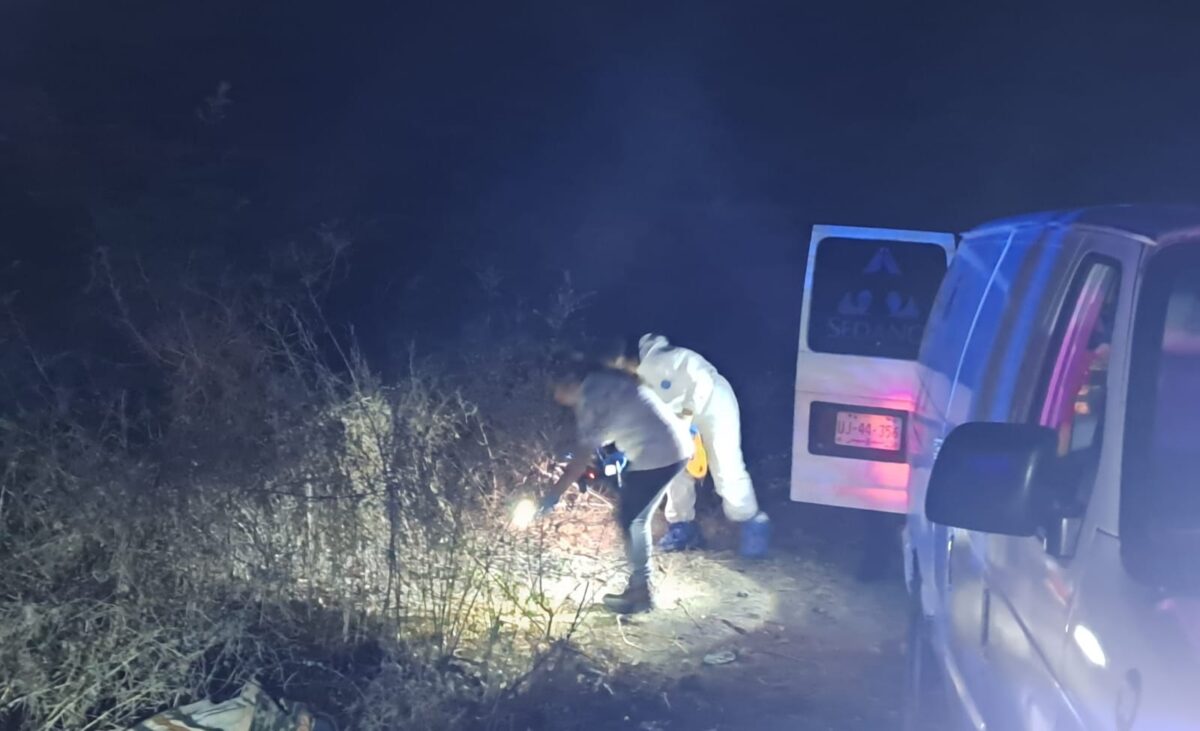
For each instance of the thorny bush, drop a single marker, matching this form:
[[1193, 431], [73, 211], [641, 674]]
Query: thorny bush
[[254, 508]]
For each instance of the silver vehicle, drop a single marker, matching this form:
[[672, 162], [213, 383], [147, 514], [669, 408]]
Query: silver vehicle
[[1054, 494]]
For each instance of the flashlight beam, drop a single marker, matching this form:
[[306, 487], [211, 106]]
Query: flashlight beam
[[524, 513]]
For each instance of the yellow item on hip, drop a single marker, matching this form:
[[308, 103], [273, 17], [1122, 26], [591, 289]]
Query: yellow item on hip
[[698, 466]]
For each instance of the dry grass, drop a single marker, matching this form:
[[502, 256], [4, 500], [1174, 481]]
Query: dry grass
[[256, 508]]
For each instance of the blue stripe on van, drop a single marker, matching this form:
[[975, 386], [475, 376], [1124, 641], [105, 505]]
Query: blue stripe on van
[[972, 356], [1015, 355]]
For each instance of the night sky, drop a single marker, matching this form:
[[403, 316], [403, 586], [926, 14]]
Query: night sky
[[673, 158]]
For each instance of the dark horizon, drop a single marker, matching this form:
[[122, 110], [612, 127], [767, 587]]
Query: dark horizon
[[674, 161]]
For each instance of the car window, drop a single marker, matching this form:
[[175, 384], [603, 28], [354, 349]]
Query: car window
[[1075, 390], [873, 297], [1174, 438], [1162, 449]]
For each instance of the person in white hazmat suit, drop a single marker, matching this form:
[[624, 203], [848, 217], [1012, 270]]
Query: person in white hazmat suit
[[697, 393]]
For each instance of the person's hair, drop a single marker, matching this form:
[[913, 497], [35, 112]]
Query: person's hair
[[610, 349], [572, 371]]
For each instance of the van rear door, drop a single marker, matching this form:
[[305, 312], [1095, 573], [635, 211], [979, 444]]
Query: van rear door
[[867, 296]]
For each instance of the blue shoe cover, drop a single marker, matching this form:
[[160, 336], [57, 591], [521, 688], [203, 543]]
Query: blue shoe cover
[[680, 537], [756, 536]]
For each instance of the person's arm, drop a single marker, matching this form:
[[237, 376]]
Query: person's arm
[[589, 422], [571, 473]]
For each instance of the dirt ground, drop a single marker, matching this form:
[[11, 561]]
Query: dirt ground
[[793, 642]]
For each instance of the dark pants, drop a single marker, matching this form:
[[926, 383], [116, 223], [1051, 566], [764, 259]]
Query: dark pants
[[881, 532], [641, 492]]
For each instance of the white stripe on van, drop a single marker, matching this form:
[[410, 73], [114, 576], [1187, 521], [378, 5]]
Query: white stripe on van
[[962, 355]]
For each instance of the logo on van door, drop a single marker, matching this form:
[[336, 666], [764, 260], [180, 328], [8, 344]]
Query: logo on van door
[[872, 297], [858, 304], [883, 261], [902, 309]]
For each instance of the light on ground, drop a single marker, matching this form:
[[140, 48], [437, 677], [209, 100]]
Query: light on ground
[[523, 513]]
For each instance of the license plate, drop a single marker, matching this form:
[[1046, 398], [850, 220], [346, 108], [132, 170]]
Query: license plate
[[868, 431]]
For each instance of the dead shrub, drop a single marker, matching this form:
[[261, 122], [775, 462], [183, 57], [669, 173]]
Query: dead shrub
[[263, 506]]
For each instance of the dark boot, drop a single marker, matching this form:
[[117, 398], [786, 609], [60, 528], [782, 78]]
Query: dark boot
[[631, 601]]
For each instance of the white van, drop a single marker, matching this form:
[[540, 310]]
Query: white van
[[867, 297], [1053, 537]]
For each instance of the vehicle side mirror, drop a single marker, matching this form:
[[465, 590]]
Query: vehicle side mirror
[[993, 478]]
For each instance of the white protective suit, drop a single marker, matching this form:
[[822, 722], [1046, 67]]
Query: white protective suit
[[689, 383]]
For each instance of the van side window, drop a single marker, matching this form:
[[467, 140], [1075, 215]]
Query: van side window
[[872, 298], [1075, 377], [1162, 443], [1175, 429]]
